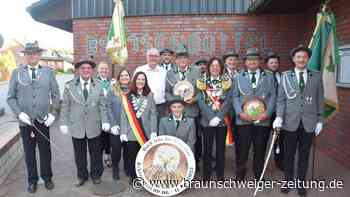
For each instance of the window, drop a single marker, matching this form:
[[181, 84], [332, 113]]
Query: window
[[343, 70]]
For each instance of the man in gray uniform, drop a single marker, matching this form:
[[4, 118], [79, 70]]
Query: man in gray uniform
[[82, 114], [252, 83], [300, 114], [185, 72], [167, 59], [34, 98]]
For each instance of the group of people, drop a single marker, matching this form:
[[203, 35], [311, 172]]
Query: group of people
[[111, 116]]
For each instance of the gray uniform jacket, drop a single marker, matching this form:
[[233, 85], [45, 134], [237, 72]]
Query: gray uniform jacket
[[83, 118], [265, 90], [173, 77], [148, 118], [36, 97], [114, 108], [295, 107], [186, 130]]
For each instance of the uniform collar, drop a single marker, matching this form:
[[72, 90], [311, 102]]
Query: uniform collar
[[257, 71], [178, 119], [79, 79], [103, 79], [172, 117], [297, 71], [38, 66]]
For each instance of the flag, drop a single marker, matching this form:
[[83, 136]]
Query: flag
[[325, 57], [116, 39]]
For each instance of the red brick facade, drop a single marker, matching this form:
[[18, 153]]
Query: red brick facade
[[212, 35], [204, 35]]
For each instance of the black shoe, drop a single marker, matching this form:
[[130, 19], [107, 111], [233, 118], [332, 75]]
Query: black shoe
[[302, 192], [285, 190], [80, 182], [131, 182], [96, 181], [32, 187], [49, 185]]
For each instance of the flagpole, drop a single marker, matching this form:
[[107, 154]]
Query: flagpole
[[319, 21]]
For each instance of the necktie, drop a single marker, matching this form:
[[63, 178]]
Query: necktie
[[177, 124], [33, 73], [276, 80], [253, 80], [85, 91], [182, 75], [301, 81], [215, 81]]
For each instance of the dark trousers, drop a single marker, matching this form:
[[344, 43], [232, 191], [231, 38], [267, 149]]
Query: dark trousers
[[133, 148], [279, 143], [302, 141], [247, 135], [279, 157], [116, 152], [236, 142], [125, 158], [209, 133], [198, 144], [80, 154], [106, 142], [29, 145]]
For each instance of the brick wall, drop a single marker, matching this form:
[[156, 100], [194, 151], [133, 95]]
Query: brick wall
[[204, 35], [334, 140]]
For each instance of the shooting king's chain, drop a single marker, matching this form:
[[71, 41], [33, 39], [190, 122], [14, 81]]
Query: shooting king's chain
[[204, 85]]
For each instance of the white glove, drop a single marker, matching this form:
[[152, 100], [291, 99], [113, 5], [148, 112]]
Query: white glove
[[49, 119], [24, 118], [64, 129], [214, 122], [153, 135], [277, 123], [106, 126], [123, 138], [318, 128], [115, 130]]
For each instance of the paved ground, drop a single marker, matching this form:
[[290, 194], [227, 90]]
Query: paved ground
[[65, 176]]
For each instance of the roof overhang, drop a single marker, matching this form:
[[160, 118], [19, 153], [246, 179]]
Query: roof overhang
[[282, 6], [56, 13]]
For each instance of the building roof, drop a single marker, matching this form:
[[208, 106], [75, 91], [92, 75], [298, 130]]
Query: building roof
[[60, 13], [56, 13], [282, 6]]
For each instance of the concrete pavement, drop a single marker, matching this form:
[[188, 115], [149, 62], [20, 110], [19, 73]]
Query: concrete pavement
[[65, 175]]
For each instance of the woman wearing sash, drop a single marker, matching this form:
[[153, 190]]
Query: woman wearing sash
[[214, 104], [138, 120], [118, 89]]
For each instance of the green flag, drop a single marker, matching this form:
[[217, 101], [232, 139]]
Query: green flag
[[117, 40], [325, 57]]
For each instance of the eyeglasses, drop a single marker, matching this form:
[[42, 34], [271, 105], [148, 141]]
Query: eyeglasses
[[153, 55]]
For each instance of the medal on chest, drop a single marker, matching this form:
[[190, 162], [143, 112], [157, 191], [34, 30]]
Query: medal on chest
[[139, 105]]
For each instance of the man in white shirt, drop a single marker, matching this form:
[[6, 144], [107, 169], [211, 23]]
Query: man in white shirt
[[156, 77]]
